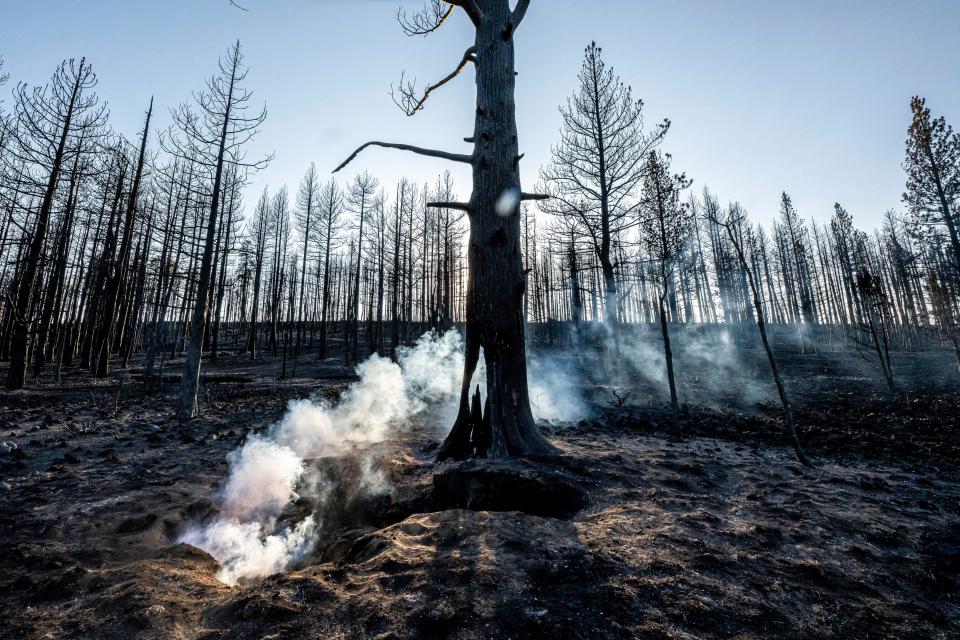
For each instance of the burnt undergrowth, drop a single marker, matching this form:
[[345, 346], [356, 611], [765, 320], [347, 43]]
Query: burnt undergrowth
[[636, 529]]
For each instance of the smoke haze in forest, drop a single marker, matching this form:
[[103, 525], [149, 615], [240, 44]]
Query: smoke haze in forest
[[268, 472]]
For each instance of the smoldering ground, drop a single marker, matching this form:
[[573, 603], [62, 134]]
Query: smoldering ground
[[724, 368], [708, 534], [252, 534], [248, 535]]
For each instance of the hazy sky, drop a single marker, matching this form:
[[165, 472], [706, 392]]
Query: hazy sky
[[809, 97]]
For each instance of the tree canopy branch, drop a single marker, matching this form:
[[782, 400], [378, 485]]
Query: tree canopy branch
[[407, 99], [425, 21], [472, 9], [518, 13], [433, 153], [461, 206]]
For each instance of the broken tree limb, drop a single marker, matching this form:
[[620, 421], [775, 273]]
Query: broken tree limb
[[535, 196], [461, 206], [433, 153], [408, 101]]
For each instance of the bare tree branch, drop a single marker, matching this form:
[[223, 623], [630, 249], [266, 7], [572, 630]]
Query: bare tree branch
[[433, 153], [518, 13], [425, 21], [535, 196], [470, 6], [460, 206], [407, 99]]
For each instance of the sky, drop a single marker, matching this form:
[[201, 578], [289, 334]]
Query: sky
[[765, 96]]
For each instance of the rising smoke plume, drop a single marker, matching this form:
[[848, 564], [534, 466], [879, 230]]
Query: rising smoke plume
[[268, 472]]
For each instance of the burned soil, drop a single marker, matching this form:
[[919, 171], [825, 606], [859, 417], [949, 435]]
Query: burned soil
[[638, 529]]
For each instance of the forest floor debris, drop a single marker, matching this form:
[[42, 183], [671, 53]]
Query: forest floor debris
[[638, 530]]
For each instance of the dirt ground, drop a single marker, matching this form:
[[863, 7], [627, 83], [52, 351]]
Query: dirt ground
[[639, 529]]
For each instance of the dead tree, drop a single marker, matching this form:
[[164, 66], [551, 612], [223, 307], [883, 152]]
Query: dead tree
[[734, 220], [234, 185], [44, 121], [117, 272], [406, 197], [942, 312], [360, 198], [213, 135], [375, 317], [875, 327], [330, 212], [496, 281], [307, 198], [258, 231], [163, 280], [53, 295], [599, 163], [665, 226], [280, 222]]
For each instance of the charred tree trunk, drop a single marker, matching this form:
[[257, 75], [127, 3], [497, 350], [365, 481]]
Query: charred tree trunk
[[496, 280], [774, 370], [668, 356], [22, 325], [108, 318], [187, 405], [325, 294]]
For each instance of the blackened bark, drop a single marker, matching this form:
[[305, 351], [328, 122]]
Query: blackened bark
[[496, 280], [107, 318], [22, 325], [774, 370], [187, 406]]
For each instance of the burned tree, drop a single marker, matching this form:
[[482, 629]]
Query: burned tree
[[329, 212], [361, 199], [39, 139], [212, 138], [280, 234], [844, 238], [933, 172], [496, 280], [875, 326], [258, 232], [942, 312], [795, 260], [114, 267], [599, 163], [665, 226], [305, 217], [733, 223]]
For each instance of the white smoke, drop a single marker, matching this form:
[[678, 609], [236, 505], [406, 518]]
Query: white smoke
[[556, 389], [268, 472], [266, 493], [372, 480], [709, 367], [247, 550]]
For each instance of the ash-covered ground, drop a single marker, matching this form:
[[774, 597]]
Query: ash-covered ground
[[639, 529]]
